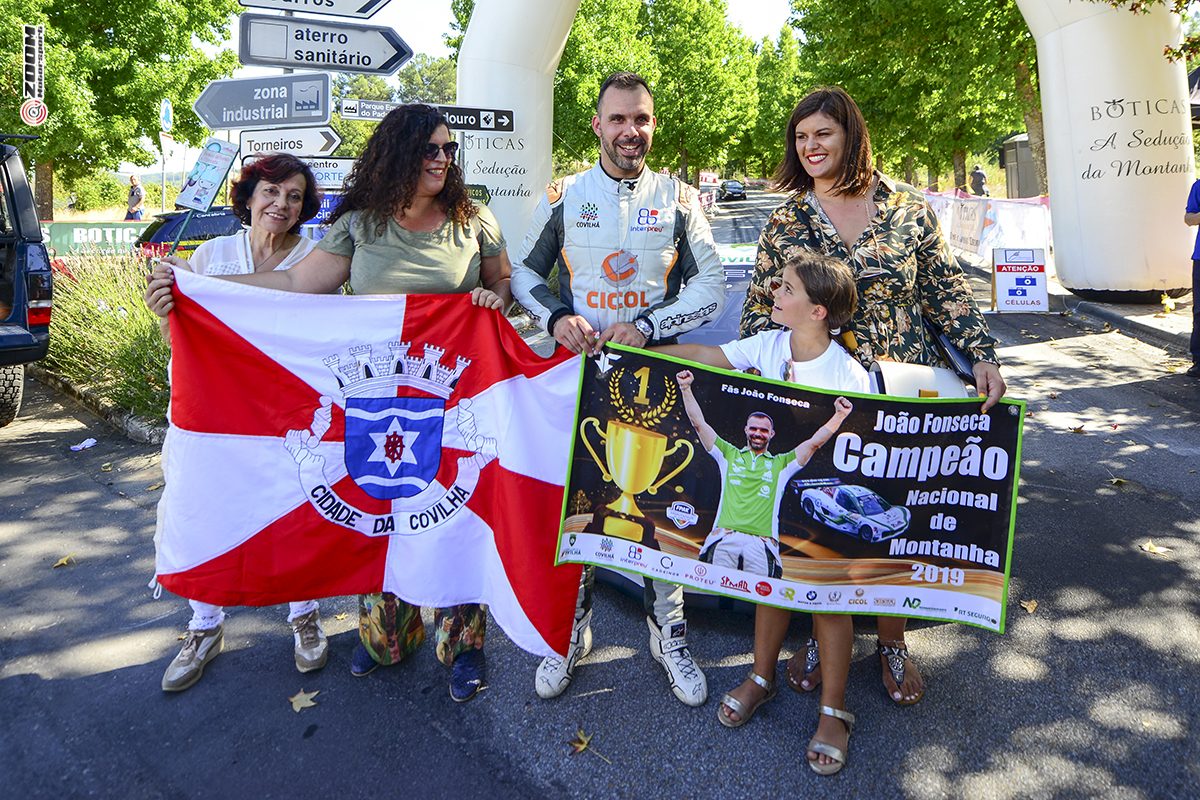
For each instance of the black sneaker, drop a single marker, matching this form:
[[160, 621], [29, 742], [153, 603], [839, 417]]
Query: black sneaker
[[466, 676], [1194, 371], [362, 662]]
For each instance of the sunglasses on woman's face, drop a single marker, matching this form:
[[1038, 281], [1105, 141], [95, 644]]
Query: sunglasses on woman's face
[[449, 148]]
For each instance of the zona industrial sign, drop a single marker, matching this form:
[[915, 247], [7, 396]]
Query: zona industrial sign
[[270, 102]]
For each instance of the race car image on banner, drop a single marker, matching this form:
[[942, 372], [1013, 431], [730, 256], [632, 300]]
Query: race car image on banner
[[851, 509], [802, 498]]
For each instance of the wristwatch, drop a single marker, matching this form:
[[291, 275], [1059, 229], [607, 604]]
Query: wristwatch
[[644, 328]]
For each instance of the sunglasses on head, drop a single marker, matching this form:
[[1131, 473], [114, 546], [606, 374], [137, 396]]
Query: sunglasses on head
[[431, 150]]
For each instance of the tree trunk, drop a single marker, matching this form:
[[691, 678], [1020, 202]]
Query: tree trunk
[[960, 170], [910, 177], [1032, 110], [683, 165], [879, 163], [933, 177], [43, 190]]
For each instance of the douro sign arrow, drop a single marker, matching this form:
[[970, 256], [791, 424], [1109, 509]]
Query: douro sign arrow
[[276, 101], [297, 141], [461, 118], [360, 9], [293, 42]]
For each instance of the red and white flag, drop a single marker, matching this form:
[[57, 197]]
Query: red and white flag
[[324, 445]]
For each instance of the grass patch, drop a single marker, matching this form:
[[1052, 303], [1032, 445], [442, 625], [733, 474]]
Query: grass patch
[[104, 339]]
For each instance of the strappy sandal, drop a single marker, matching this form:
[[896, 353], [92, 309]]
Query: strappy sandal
[[736, 706], [817, 746], [812, 660], [895, 658]]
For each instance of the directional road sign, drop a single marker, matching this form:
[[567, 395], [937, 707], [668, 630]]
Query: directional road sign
[[310, 44], [277, 101], [461, 118], [330, 172], [321, 141], [479, 192], [166, 115], [360, 9]]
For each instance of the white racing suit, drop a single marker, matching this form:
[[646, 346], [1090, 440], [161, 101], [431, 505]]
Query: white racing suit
[[625, 249]]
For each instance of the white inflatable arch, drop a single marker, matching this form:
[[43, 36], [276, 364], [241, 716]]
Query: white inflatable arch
[[1116, 113]]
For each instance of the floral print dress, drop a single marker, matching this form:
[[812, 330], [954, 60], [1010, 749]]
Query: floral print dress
[[902, 266]]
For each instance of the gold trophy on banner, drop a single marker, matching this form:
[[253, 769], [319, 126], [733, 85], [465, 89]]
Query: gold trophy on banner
[[635, 458]]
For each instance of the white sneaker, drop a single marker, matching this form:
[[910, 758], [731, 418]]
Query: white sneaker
[[554, 674], [311, 647], [670, 648], [199, 648]]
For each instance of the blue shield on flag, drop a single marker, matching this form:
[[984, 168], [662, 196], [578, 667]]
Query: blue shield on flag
[[394, 444]]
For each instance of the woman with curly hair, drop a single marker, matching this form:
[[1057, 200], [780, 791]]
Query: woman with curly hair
[[404, 226]]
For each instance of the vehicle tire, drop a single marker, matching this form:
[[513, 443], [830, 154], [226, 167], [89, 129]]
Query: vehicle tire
[[12, 387], [809, 508], [866, 534]]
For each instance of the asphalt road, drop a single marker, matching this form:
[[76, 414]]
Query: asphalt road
[[1093, 694]]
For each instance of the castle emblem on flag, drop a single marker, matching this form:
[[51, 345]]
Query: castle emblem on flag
[[395, 409]]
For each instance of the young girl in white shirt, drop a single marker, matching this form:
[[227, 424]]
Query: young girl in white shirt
[[817, 297]]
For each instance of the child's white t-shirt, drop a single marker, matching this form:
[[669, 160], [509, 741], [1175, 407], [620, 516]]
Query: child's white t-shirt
[[770, 352]]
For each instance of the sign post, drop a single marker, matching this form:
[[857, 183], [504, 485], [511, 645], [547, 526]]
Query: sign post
[[277, 101], [1019, 280], [461, 118], [360, 9], [299, 43], [164, 142], [322, 141]]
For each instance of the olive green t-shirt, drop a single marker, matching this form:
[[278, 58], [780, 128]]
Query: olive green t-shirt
[[398, 261]]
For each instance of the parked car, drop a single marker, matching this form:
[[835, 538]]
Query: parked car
[[852, 509], [26, 281], [157, 237], [731, 190]]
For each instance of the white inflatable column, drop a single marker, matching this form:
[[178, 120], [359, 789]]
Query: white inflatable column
[[507, 61], [1118, 145]]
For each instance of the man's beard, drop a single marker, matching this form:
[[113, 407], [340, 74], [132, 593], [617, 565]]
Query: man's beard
[[623, 162]]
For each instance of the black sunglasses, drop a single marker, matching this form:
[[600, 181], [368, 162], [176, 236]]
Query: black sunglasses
[[449, 148]]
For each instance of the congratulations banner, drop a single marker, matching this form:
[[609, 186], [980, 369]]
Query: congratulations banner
[[805, 499]]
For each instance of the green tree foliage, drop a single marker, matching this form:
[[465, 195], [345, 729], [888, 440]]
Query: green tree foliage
[[706, 92], [780, 86], [108, 66], [936, 79], [604, 39], [462, 17], [426, 79]]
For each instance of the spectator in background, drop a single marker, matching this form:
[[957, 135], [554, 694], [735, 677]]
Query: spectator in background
[[1191, 216], [979, 182], [137, 198]]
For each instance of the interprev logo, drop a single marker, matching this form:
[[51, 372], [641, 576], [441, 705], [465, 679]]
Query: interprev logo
[[647, 220]]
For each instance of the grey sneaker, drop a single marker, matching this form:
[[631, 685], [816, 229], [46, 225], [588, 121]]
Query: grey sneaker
[[199, 648], [669, 647], [554, 674], [311, 648]]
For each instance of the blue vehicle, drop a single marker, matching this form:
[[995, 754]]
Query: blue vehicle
[[25, 280]]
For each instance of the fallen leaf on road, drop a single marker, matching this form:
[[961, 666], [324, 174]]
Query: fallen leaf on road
[[62, 562], [1029, 605], [1151, 547], [155, 486], [1077, 430], [303, 700], [106, 467], [181, 637], [583, 742], [340, 616], [1114, 426], [1153, 405], [1116, 481], [1053, 396]]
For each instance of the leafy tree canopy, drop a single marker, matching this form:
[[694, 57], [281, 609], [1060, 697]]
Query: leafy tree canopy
[[108, 67]]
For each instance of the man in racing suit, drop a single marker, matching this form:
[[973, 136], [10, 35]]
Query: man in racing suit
[[636, 265]]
